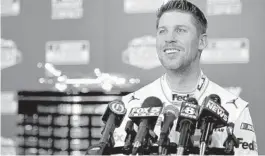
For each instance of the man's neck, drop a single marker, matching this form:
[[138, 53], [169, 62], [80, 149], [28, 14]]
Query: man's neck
[[184, 80]]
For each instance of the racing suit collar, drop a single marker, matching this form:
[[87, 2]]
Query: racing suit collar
[[176, 97]]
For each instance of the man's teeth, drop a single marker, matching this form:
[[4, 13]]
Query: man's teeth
[[168, 51]]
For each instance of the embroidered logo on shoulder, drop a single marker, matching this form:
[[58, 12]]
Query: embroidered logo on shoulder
[[246, 126], [133, 98], [233, 101]]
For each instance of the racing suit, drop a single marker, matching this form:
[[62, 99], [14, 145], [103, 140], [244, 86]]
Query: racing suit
[[238, 113]]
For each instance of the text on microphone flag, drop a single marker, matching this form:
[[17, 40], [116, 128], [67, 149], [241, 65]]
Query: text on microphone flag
[[145, 112], [189, 110], [219, 110]]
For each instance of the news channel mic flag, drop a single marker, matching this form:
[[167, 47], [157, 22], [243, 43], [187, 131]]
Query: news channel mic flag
[[181, 37]]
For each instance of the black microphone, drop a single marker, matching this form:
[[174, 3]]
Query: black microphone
[[186, 125], [131, 133], [145, 117], [112, 118], [231, 140], [170, 114], [212, 116]]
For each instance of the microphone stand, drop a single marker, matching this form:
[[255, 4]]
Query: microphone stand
[[102, 148], [231, 140], [163, 146], [150, 139], [129, 137], [144, 149], [153, 150], [184, 140], [106, 142], [207, 130]]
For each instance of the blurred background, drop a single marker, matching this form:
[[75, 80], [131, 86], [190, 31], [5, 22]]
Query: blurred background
[[63, 60]]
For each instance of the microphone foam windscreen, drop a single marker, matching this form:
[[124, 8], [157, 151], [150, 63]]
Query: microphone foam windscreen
[[172, 109], [215, 98], [152, 102], [192, 100]]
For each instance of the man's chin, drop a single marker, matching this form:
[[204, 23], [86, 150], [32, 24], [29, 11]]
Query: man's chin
[[171, 66]]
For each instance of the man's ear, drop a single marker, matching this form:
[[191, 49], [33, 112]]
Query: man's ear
[[203, 41]]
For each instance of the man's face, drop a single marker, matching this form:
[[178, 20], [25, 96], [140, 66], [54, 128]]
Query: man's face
[[177, 40]]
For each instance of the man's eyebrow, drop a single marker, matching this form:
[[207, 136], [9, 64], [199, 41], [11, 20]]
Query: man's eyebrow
[[163, 27], [183, 26]]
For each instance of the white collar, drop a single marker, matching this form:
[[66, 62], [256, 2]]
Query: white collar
[[177, 98]]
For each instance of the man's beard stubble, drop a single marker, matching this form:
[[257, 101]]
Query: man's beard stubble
[[179, 67]]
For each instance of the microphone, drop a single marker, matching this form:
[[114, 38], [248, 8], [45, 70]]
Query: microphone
[[112, 119], [212, 116], [186, 125], [129, 129], [170, 114], [231, 140], [145, 117]]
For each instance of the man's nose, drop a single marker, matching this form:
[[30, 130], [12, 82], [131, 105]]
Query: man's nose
[[171, 38]]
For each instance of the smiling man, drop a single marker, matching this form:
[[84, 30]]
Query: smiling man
[[181, 38]]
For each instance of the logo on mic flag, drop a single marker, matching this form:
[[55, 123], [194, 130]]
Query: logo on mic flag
[[217, 109], [189, 110], [117, 107], [146, 112]]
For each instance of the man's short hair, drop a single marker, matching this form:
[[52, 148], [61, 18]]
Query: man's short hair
[[184, 6]]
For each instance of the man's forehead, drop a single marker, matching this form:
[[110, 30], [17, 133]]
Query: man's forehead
[[176, 18]]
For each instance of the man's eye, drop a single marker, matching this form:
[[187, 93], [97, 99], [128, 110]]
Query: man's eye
[[181, 30], [161, 31]]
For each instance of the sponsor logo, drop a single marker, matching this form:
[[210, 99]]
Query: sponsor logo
[[148, 111], [223, 7], [221, 112], [246, 126], [141, 53], [179, 97], [67, 52], [10, 55], [248, 145], [10, 7], [142, 6], [66, 9], [226, 51], [233, 102], [9, 104], [133, 98], [117, 107]]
